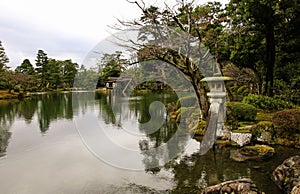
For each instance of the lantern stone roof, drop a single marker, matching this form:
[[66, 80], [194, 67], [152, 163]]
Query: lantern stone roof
[[215, 79]]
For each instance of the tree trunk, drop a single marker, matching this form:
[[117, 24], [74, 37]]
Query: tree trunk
[[270, 49], [201, 96]]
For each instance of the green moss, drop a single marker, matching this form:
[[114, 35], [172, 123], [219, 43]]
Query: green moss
[[199, 128], [241, 131], [234, 144], [245, 124], [265, 128], [178, 117], [263, 115], [140, 92], [265, 124], [286, 180], [261, 148], [226, 143]]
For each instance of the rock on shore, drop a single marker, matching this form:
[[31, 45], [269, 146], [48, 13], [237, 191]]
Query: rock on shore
[[287, 175], [241, 186]]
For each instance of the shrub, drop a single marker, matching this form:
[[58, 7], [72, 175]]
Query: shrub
[[240, 111], [242, 90], [266, 102], [287, 123], [199, 128], [263, 130]]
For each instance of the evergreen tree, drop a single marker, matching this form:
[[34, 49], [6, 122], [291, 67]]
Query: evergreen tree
[[256, 21], [3, 58], [26, 67], [42, 67], [54, 72], [69, 72]]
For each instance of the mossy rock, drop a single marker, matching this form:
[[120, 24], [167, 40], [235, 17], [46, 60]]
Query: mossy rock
[[226, 143], [265, 124], [260, 149], [256, 152], [263, 132]]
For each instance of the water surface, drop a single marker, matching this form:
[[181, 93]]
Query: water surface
[[47, 147]]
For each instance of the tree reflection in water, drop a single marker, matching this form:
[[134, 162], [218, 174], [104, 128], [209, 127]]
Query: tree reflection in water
[[163, 138], [191, 173]]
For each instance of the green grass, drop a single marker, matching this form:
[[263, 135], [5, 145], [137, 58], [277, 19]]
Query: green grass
[[264, 115]]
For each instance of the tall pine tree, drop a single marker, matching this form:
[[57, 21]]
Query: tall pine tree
[[3, 58], [42, 68]]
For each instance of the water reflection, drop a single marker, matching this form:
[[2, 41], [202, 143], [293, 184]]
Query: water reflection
[[119, 116], [48, 107], [144, 118], [4, 137], [6, 119]]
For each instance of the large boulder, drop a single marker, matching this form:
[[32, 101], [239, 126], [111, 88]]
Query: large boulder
[[287, 175], [256, 152], [241, 186]]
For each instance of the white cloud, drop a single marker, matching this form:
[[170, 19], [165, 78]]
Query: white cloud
[[62, 28]]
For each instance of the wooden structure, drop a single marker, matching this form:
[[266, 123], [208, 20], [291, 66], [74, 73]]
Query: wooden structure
[[110, 82], [118, 84]]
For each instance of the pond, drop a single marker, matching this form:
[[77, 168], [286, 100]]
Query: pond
[[87, 142]]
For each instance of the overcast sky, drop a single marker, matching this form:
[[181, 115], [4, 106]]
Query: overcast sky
[[64, 29]]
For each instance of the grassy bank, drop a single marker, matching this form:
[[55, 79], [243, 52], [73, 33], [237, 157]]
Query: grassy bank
[[4, 94]]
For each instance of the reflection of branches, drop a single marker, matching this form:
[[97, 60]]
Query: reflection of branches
[[4, 137]]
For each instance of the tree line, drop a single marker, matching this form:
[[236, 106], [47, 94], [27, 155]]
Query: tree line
[[47, 74]]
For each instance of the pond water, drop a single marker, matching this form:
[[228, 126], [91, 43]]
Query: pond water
[[86, 142]]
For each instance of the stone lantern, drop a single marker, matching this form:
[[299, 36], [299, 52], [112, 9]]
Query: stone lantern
[[217, 98]]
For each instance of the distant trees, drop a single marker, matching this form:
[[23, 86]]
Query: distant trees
[[86, 78], [48, 73], [69, 71], [111, 65], [52, 73]]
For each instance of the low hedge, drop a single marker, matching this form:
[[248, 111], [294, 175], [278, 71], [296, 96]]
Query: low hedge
[[267, 103], [240, 111]]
